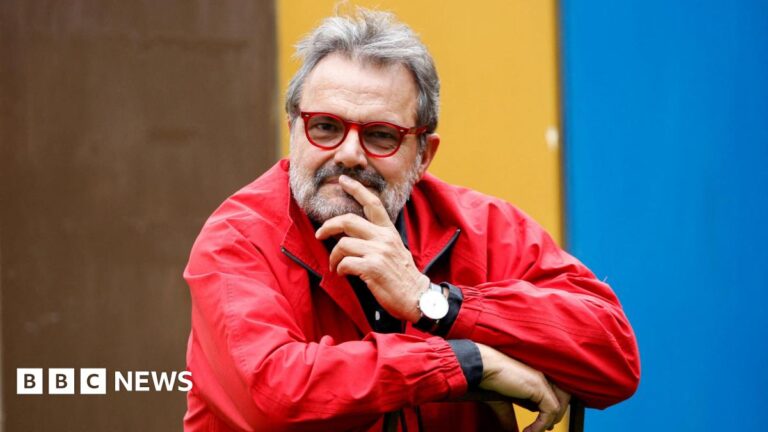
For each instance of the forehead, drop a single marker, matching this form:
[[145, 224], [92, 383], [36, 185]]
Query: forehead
[[361, 91]]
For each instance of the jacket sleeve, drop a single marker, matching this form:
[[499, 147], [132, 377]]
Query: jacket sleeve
[[255, 369], [546, 309]]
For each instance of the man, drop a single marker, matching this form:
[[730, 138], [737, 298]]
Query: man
[[347, 283]]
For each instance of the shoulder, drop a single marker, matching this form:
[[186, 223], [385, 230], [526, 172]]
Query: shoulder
[[466, 207], [497, 238], [259, 206], [266, 197]]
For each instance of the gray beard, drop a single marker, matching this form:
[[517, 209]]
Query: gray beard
[[305, 187]]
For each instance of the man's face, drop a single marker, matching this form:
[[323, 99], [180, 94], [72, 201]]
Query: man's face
[[363, 93]]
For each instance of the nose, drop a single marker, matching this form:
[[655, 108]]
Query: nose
[[350, 152]]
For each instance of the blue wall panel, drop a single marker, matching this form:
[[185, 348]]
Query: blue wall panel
[[665, 108]]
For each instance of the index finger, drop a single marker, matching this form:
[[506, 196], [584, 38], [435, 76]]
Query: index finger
[[372, 207], [349, 224]]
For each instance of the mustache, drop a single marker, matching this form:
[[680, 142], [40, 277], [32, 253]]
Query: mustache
[[368, 178]]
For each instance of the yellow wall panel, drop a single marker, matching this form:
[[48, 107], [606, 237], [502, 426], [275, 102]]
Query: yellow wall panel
[[498, 68]]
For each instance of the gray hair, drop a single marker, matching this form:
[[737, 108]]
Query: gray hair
[[371, 36]]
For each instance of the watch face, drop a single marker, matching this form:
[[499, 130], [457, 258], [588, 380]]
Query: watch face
[[433, 305]]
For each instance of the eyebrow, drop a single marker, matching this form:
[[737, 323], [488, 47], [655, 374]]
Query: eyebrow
[[386, 120]]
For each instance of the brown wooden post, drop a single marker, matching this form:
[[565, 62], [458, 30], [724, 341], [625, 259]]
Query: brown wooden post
[[122, 126]]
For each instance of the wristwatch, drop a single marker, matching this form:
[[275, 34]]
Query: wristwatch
[[433, 307]]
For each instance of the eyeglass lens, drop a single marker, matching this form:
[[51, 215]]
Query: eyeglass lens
[[377, 138]]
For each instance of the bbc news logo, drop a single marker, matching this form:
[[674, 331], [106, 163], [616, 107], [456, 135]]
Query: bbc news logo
[[93, 381]]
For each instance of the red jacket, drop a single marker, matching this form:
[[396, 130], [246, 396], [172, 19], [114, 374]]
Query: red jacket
[[280, 343]]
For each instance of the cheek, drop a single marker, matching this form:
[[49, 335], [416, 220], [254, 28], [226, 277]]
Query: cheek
[[307, 156], [395, 169], [392, 171]]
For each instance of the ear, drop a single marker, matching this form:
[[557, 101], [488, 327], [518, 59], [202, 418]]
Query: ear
[[433, 142], [290, 126]]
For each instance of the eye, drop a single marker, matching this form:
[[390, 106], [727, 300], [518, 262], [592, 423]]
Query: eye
[[381, 135], [325, 126], [381, 139]]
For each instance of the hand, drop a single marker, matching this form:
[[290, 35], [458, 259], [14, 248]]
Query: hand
[[372, 250], [564, 399], [509, 377]]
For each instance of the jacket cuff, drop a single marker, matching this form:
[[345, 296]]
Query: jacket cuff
[[451, 368], [469, 358], [464, 324]]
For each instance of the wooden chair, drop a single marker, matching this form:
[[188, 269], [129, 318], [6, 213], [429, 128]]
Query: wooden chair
[[575, 416]]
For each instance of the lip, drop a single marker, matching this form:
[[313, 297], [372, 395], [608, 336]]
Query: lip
[[334, 180]]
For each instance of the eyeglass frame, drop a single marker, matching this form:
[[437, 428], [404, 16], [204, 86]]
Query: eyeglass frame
[[349, 124]]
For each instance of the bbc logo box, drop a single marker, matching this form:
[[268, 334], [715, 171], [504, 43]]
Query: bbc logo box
[[61, 381], [29, 381]]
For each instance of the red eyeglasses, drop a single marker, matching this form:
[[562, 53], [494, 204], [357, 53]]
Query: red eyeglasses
[[379, 139]]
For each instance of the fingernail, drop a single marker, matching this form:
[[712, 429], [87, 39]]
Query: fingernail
[[344, 178]]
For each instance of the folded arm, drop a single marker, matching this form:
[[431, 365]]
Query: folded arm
[[255, 369], [546, 309]]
